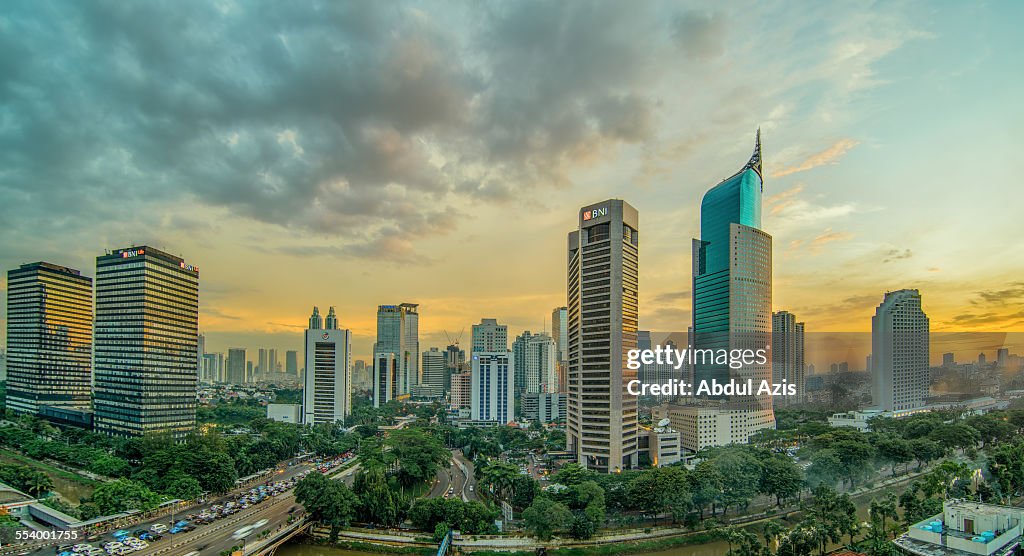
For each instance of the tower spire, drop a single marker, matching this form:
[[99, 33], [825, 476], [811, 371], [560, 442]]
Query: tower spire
[[755, 159]]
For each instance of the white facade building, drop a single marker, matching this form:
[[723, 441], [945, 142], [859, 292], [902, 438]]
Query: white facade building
[[492, 387], [327, 396], [899, 352]]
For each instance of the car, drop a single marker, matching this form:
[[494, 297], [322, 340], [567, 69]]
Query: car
[[242, 533], [77, 548], [260, 523], [112, 544], [471, 488], [158, 528]]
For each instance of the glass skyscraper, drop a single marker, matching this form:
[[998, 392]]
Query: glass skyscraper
[[147, 315], [49, 338], [398, 335], [732, 295]]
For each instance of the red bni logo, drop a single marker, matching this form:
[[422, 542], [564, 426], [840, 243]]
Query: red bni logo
[[326, 336], [591, 214]]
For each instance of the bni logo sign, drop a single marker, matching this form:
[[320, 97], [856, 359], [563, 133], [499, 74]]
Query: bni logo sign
[[326, 336], [595, 213]]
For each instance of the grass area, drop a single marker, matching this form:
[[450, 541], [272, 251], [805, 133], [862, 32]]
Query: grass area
[[14, 457]]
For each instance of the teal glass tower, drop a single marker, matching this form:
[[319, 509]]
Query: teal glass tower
[[732, 283]]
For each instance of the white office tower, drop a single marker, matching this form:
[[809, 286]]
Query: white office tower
[[899, 352], [398, 334], [327, 395], [541, 364], [489, 336], [603, 267], [492, 388], [433, 363], [788, 354]]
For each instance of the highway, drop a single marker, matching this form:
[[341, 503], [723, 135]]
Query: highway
[[215, 537], [457, 478]]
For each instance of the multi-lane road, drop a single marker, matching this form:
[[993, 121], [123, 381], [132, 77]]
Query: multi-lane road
[[456, 480], [213, 538]]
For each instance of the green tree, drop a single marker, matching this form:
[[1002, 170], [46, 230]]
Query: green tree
[[781, 478], [545, 516], [123, 495]]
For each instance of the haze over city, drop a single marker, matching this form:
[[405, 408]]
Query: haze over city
[[365, 154]]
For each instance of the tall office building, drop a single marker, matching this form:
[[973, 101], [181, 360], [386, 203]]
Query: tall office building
[[236, 366], [250, 372], [560, 332], [327, 394], [146, 336], [492, 388], [49, 338], [291, 363], [213, 367], [385, 378], [272, 364], [732, 301], [603, 268], [433, 362], [398, 334], [200, 352], [519, 360], [489, 336], [899, 352], [261, 365], [1002, 357], [788, 354], [540, 365]]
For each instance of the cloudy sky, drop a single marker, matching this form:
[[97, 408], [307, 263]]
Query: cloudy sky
[[352, 154]]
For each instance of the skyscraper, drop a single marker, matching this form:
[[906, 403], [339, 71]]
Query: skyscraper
[[519, 360], [147, 317], [461, 387], [603, 267], [732, 303], [433, 361], [327, 395], [236, 366], [788, 354], [385, 377], [454, 362], [49, 338], [200, 352], [492, 388], [398, 334], [291, 363], [899, 352], [261, 365], [559, 330], [540, 365], [646, 373], [272, 364], [489, 336]]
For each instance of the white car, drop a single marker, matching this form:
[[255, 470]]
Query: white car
[[81, 548], [242, 533], [158, 528], [112, 545], [260, 523]]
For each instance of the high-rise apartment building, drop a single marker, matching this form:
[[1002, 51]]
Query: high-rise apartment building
[[540, 365], [519, 360], [433, 363], [489, 336], [146, 339], [899, 352], [603, 268], [461, 390], [236, 371], [200, 352], [454, 362], [788, 354], [492, 388], [49, 338], [272, 364], [560, 332], [398, 334], [327, 394], [213, 367]]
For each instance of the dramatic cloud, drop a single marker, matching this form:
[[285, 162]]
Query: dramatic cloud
[[831, 155], [828, 236], [896, 255]]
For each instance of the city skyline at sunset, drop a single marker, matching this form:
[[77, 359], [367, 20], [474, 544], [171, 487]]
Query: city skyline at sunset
[[363, 154]]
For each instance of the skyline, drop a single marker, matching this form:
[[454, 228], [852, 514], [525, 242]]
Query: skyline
[[289, 199]]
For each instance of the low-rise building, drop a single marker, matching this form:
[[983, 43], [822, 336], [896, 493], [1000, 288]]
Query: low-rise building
[[966, 528], [285, 412]]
